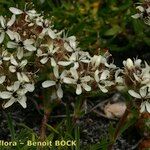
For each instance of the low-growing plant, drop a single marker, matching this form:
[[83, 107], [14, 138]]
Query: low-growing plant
[[32, 51]]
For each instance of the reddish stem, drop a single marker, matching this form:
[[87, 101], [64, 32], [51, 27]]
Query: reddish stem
[[43, 125], [120, 124]]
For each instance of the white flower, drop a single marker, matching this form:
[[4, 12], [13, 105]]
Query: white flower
[[76, 58], [14, 94], [145, 106], [140, 8], [141, 73], [96, 60], [70, 45], [57, 82], [144, 93], [5, 28], [47, 30], [49, 55], [138, 15], [4, 56], [129, 64], [22, 87], [31, 16], [142, 77], [17, 67], [80, 82], [102, 80], [118, 79], [144, 13], [31, 13], [21, 45]]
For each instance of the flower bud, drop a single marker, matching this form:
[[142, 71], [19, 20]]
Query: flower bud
[[128, 63]]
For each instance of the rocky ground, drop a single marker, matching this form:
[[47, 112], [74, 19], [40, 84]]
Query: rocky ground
[[94, 128]]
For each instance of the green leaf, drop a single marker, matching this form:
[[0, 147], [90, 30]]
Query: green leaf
[[52, 129], [147, 40], [11, 126], [113, 31]]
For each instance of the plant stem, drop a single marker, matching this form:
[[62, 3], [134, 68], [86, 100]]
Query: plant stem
[[120, 125], [43, 124]]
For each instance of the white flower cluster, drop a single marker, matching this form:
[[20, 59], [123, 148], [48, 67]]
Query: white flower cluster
[[143, 12], [136, 77], [31, 50]]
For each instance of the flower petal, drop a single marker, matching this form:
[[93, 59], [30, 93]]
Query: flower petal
[[104, 75], [96, 76], [86, 87], [39, 52], [51, 33], [140, 8], [22, 101], [11, 34], [12, 69], [137, 62], [11, 21], [129, 63], [143, 92], [60, 92], [74, 73], [68, 47], [11, 45], [2, 21], [48, 83], [56, 73], [5, 95], [142, 107], [2, 79], [148, 106], [30, 48], [20, 53], [64, 63], [134, 94], [74, 57], [16, 86], [13, 61], [44, 60], [69, 80], [102, 88], [78, 89], [9, 103], [30, 87], [76, 65], [25, 77], [15, 11], [2, 36], [86, 79], [136, 16], [72, 41], [53, 62], [28, 42]]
